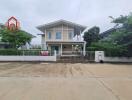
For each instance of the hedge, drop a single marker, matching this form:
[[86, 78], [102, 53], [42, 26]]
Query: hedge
[[110, 49], [19, 52]]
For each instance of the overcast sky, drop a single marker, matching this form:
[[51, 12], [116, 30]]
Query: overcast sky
[[32, 13]]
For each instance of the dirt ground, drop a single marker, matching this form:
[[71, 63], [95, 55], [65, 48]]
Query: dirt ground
[[60, 81]]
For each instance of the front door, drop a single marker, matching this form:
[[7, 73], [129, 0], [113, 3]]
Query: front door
[[53, 48]]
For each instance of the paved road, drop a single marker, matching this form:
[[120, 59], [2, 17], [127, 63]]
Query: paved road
[[43, 81]]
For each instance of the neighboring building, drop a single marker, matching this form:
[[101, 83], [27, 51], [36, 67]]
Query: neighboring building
[[59, 36], [108, 32], [105, 34]]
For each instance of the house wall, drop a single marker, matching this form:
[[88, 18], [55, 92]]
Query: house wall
[[67, 48], [61, 28], [43, 42]]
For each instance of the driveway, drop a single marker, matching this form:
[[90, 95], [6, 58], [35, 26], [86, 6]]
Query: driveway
[[59, 81]]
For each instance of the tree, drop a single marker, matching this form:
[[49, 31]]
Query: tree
[[124, 34], [15, 38], [125, 21], [92, 35], [118, 43], [109, 48]]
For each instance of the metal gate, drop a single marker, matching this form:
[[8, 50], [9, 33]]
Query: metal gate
[[89, 57]]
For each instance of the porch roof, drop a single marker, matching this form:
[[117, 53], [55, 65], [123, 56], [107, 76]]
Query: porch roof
[[65, 42]]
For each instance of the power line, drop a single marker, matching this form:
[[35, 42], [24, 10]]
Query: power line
[[79, 9]]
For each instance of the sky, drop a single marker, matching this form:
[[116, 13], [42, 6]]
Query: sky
[[32, 13]]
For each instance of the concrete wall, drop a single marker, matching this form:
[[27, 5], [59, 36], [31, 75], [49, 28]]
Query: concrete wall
[[27, 58], [117, 59], [99, 55]]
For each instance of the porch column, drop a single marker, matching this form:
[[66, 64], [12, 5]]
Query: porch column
[[84, 49], [46, 46], [61, 50]]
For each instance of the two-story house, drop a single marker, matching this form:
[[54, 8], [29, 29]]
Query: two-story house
[[59, 36]]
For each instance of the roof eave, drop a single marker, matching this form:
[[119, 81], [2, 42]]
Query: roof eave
[[59, 21]]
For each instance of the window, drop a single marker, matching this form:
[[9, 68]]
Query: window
[[70, 35], [49, 35], [58, 35]]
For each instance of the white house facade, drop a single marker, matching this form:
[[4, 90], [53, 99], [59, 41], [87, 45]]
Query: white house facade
[[62, 36]]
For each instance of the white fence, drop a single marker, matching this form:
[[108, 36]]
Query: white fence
[[100, 56]]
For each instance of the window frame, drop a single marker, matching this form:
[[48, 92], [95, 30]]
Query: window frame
[[70, 35], [57, 36], [49, 35]]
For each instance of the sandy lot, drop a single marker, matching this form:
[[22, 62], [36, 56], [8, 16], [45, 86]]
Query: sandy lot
[[58, 81]]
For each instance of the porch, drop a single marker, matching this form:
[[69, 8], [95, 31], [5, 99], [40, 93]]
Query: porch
[[67, 48]]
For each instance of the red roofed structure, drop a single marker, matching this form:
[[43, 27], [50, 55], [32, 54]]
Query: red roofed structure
[[12, 24]]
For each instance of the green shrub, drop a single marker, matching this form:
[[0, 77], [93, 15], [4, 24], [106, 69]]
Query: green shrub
[[19, 52], [109, 48], [10, 52]]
